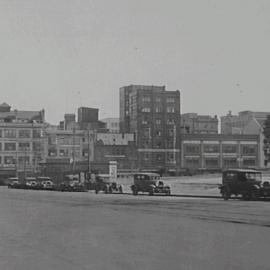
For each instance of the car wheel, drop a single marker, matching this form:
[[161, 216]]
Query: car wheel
[[226, 194]]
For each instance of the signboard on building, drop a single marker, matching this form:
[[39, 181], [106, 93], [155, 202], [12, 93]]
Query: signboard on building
[[113, 170]]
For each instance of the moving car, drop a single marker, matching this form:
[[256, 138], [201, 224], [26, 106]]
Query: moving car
[[244, 182], [149, 182]]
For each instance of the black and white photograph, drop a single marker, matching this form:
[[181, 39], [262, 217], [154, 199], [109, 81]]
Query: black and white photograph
[[134, 135]]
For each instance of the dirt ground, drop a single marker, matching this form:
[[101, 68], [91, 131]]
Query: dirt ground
[[60, 230]]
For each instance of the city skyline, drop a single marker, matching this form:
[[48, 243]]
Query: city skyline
[[64, 55]]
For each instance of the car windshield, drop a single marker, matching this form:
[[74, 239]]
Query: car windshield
[[253, 176]]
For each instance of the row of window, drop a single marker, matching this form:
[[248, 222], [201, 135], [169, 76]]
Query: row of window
[[22, 146], [169, 121], [20, 133], [11, 160], [215, 148], [158, 99], [169, 109], [215, 163], [170, 157]]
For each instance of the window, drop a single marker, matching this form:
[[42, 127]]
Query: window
[[0, 133], [192, 149], [24, 146], [170, 100], [146, 99], [158, 157], [145, 121], [158, 99], [158, 144], [63, 152], [52, 152], [211, 148], [158, 121], [36, 133], [192, 162], [0, 160], [211, 162], [0, 146], [146, 109], [170, 109], [249, 149], [158, 109], [9, 160], [10, 133], [158, 133], [37, 146], [171, 132], [229, 148], [24, 160], [249, 162], [170, 157], [10, 146], [230, 162], [146, 156], [170, 121], [145, 144], [24, 133]]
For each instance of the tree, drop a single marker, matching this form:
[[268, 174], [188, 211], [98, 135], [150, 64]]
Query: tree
[[266, 133]]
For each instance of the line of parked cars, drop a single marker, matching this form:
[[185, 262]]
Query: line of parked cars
[[143, 182], [38, 183]]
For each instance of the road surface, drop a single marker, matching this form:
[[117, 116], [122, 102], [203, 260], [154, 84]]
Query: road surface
[[43, 230]]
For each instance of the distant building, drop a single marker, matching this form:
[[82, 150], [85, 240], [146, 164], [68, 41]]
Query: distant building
[[153, 114], [192, 123], [218, 151], [112, 124], [115, 147], [21, 141], [246, 122], [70, 120], [88, 119]]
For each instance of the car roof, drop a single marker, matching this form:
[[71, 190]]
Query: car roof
[[242, 170], [150, 174]]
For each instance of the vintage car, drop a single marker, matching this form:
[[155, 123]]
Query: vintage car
[[102, 182], [46, 183], [244, 182], [32, 183], [13, 182], [149, 182]]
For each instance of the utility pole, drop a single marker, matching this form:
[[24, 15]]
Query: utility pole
[[73, 150]]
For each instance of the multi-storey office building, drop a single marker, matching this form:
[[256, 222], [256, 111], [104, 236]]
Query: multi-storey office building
[[21, 141], [215, 152], [153, 114]]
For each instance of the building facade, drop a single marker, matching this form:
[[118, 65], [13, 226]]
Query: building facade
[[192, 123], [21, 141], [216, 152], [153, 115], [112, 124]]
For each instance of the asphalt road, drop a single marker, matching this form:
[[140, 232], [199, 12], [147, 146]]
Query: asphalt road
[[43, 230]]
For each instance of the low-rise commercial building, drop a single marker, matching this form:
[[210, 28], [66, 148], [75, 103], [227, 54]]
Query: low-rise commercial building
[[216, 152], [21, 141]]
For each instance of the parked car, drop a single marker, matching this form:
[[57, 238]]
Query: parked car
[[45, 182], [32, 183], [103, 183], [149, 182], [13, 182], [244, 182]]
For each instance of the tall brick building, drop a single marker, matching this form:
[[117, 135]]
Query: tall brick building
[[153, 115]]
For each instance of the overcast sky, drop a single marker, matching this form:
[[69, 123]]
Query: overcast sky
[[63, 54]]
